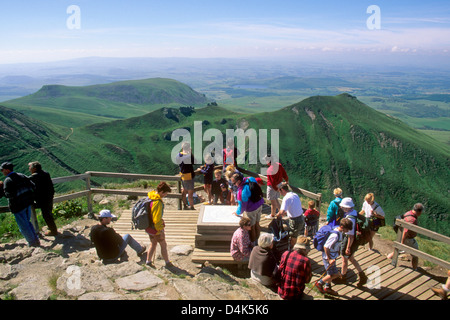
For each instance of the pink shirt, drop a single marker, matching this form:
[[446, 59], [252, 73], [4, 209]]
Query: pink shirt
[[240, 247]]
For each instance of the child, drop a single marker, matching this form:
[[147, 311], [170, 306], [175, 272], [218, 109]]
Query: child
[[207, 170], [332, 248], [216, 190], [226, 194], [311, 219]]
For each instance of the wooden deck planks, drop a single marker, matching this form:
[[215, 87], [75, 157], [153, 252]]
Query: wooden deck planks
[[399, 283]]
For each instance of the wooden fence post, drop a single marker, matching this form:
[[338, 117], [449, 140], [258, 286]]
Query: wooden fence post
[[89, 196], [396, 251], [179, 191]]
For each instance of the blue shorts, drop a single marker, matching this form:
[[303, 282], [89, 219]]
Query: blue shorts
[[333, 269]]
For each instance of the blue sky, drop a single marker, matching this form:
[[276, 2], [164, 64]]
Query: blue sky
[[37, 31]]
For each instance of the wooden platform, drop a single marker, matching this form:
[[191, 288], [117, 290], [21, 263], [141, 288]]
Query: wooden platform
[[386, 282], [395, 283], [181, 227]]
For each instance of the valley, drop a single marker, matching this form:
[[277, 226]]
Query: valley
[[325, 141]]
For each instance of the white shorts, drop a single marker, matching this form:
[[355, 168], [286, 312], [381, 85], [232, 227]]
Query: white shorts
[[272, 194]]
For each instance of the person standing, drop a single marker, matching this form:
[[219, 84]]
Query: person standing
[[311, 219], [330, 253], [19, 189], [108, 243], [249, 202], [292, 207], [350, 245], [43, 196], [156, 230], [275, 176], [185, 160], [333, 209], [408, 236], [374, 214]]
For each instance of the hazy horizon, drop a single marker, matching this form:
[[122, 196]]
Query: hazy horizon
[[358, 31]]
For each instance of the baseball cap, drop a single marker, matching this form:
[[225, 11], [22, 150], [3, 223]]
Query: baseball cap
[[7, 165]]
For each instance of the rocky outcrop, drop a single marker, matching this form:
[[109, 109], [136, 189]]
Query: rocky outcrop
[[66, 267]]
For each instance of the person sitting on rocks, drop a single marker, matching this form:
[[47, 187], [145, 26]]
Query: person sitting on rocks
[[241, 246], [109, 244]]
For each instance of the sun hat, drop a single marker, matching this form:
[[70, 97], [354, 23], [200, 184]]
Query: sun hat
[[347, 203], [105, 213], [303, 243]]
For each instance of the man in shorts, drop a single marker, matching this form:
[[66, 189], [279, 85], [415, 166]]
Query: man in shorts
[[292, 207], [275, 176], [185, 160]]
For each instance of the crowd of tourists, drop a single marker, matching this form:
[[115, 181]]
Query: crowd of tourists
[[285, 272]]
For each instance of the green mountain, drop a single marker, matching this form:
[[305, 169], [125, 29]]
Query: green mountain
[[79, 106], [324, 142]]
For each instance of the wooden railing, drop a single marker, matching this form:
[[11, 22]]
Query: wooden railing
[[90, 191], [428, 233]]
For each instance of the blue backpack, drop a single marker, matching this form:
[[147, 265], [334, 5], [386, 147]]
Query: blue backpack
[[322, 235]]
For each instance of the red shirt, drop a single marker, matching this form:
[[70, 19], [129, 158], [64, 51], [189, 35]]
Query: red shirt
[[274, 178], [294, 274], [410, 217]]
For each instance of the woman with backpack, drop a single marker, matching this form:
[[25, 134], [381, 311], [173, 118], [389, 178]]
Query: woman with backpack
[[250, 201], [374, 214], [156, 230], [349, 244]]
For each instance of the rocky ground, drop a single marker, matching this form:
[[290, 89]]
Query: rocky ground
[[66, 267]]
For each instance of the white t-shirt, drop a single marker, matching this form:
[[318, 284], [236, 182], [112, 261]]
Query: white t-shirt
[[292, 205], [368, 209], [334, 243]]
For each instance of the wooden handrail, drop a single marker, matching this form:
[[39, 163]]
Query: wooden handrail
[[89, 191], [420, 230]]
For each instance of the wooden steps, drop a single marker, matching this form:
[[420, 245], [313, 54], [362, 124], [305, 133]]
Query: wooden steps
[[181, 227], [395, 283]]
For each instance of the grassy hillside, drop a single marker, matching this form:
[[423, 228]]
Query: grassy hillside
[[325, 142], [79, 106]]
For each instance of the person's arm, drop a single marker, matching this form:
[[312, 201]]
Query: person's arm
[[327, 253], [351, 238]]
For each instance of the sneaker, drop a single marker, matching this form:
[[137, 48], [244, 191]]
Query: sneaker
[[150, 264], [51, 233], [341, 280], [269, 217], [362, 279], [330, 291], [319, 287]]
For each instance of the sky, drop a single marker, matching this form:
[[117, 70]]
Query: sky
[[49, 30]]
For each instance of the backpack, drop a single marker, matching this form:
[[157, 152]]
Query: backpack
[[340, 214], [400, 217], [140, 214], [322, 235], [362, 230], [255, 191]]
